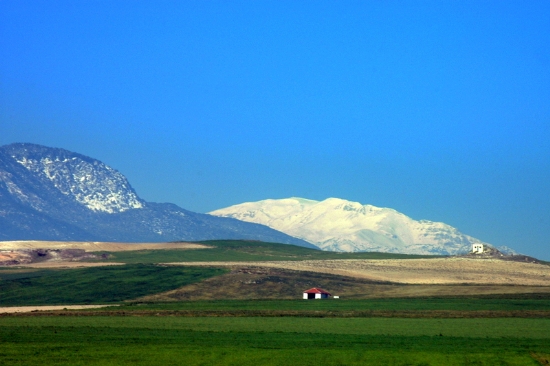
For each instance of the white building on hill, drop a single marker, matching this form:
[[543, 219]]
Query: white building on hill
[[477, 248]]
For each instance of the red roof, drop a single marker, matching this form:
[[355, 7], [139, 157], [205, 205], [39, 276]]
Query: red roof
[[317, 290]]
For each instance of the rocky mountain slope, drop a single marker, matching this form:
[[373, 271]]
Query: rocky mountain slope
[[54, 194], [340, 225]]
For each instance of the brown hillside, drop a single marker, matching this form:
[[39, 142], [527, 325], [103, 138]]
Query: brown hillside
[[442, 271], [246, 282]]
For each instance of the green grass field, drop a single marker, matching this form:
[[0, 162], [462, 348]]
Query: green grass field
[[343, 305], [271, 341], [95, 285], [238, 250]]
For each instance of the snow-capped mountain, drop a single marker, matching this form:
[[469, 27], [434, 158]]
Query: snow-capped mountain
[[339, 225], [90, 182], [54, 194]]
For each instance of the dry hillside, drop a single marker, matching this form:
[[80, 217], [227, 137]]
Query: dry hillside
[[442, 271], [54, 253]]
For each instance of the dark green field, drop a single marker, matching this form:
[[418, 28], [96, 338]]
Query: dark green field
[[95, 285], [271, 341], [529, 303]]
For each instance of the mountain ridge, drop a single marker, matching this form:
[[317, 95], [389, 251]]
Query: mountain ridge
[[341, 225], [55, 194]]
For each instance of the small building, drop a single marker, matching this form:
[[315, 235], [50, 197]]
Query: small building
[[316, 293], [477, 248]]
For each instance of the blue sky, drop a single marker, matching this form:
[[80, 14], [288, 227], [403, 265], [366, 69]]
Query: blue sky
[[438, 109]]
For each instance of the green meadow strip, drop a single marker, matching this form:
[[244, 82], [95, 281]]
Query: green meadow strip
[[473, 328], [253, 341], [342, 305]]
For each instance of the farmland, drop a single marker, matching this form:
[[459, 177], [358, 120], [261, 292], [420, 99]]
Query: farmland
[[243, 310], [275, 341]]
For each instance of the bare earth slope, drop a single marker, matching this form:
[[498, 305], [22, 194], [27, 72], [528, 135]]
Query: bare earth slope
[[70, 253], [418, 271], [94, 246], [28, 309]]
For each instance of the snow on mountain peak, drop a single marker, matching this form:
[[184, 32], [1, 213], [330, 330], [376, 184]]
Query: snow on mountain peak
[[88, 181], [341, 225]]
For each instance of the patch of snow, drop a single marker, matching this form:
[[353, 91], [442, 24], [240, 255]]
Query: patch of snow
[[94, 185]]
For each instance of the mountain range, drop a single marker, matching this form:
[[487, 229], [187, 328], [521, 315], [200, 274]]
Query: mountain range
[[339, 225], [54, 194]]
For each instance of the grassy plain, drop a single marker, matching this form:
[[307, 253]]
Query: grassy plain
[[528, 303], [271, 341]]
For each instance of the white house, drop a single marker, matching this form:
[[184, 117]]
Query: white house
[[477, 248], [316, 293]]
